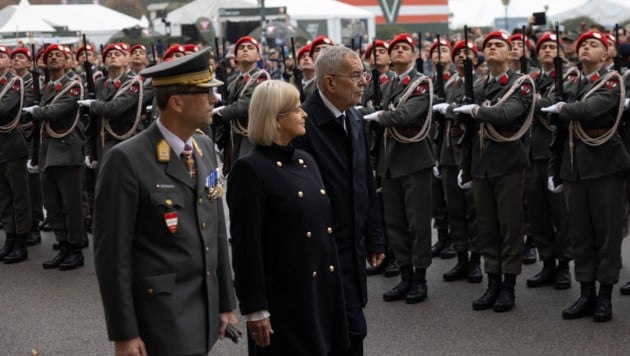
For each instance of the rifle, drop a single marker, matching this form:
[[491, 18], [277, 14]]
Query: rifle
[[554, 119], [91, 125], [419, 61], [220, 71], [89, 78], [374, 127], [297, 73], [37, 96], [467, 125], [440, 73], [376, 83], [523, 58], [285, 74], [352, 44], [220, 130], [153, 56], [618, 59]]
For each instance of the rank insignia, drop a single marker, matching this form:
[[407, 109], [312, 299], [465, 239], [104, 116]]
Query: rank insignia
[[134, 88], [611, 84], [214, 185], [383, 78], [163, 151], [405, 80], [525, 89], [504, 79], [421, 89], [16, 86], [74, 91], [170, 218]]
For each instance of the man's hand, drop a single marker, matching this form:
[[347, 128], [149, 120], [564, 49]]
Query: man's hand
[[465, 185], [375, 259], [225, 319], [441, 108], [86, 102], [89, 163], [551, 185], [373, 116], [31, 168], [218, 110], [626, 103], [554, 109], [260, 331], [468, 109], [133, 347]]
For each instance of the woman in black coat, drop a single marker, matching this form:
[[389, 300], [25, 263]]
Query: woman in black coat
[[285, 261]]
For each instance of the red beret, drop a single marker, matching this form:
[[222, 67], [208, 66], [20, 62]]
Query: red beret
[[50, 48], [25, 51], [67, 51], [500, 35], [134, 47], [320, 40], [82, 48], [112, 47], [172, 50], [592, 34], [379, 43], [124, 46], [403, 37], [460, 45], [245, 39], [519, 37], [5, 50], [304, 50], [191, 48], [546, 37], [434, 45]]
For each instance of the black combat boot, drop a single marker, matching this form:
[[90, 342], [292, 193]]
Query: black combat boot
[[603, 306], [400, 291], [585, 305], [391, 268], [460, 270], [439, 245], [19, 253], [34, 237], [563, 275], [9, 242], [418, 291], [64, 251], [505, 300], [45, 225], [625, 289], [546, 276], [529, 251], [486, 301], [74, 259], [474, 268]]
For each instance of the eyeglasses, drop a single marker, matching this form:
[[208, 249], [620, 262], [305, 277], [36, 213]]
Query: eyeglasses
[[209, 93], [356, 76]]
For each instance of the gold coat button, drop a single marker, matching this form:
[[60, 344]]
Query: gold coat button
[[200, 200], [329, 230], [208, 273], [203, 225], [168, 202], [300, 194], [300, 161], [322, 192], [207, 249], [278, 163], [150, 291], [308, 235], [314, 274], [331, 268]]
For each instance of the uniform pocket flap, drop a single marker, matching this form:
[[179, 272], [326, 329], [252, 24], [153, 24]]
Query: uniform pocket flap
[[167, 199], [154, 285]]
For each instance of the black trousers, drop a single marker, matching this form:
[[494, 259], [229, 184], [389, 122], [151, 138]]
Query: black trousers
[[63, 199]]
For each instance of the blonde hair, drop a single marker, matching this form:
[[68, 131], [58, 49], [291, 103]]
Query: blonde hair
[[270, 99]]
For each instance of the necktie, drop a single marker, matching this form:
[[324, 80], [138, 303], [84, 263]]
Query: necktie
[[341, 119], [189, 160]]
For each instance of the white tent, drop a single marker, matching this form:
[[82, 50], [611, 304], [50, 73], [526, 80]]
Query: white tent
[[20, 18], [605, 12]]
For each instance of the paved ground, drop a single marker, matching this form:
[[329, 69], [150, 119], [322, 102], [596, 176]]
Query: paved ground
[[59, 313]]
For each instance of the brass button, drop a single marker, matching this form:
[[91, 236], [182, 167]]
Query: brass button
[[203, 225], [308, 235], [200, 200], [314, 274], [168, 202], [279, 164], [150, 291], [300, 194], [208, 273], [322, 192], [300, 161], [329, 230], [207, 249], [331, 268]]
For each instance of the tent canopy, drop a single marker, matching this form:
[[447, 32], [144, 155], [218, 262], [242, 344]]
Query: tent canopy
[[605, 12], [20, 18], [191, 11]]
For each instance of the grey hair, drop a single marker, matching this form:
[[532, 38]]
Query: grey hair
[[331, 61]]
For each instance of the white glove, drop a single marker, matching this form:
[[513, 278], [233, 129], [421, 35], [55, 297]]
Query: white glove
[[149, 108], [90, 164], [218, 110], [86, 102], [30, 168], [554, 109], [218, 96], [460, 181], [441, 108], [373, 116], [358, 107], [552, 187], [436, 170], [29, 109], [626, 104], [466, 109]]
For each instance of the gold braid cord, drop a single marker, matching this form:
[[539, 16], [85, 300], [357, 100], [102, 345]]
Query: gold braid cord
[[487, 130], [16, 120], [66, 89], [424, 131], [235, 125], [106, 127]]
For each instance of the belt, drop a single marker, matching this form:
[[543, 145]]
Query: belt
[[409, 132], [507, 134], [593, 133], [455, 132]]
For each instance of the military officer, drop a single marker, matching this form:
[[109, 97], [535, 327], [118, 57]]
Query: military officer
[[15, 202], [160, 245], [591, 163], [307, 66], [498, 160]]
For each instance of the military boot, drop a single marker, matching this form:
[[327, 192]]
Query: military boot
[[563, 275], [64, 251], [603, 306], [625, 289], [439, 245], [418, 291], [486, 301], [401, 289], [505, 300], [529, 251], [546, 276], [474, 268], [460, 270], [74, 259], [34, 237], [9, 242], [585, 305], [19, 252], [391, 268]]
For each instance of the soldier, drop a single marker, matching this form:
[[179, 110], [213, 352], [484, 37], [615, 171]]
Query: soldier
[[138, 62], [15, 202], [570, 50], [591, 164], [234, 115], [191, 48], [318, 44], [174, 51], [546, 212], [307, 67], [459, 202], [61, 157], [382, 66], [160, 244], [498, 160], [404, 166], [138, 58]]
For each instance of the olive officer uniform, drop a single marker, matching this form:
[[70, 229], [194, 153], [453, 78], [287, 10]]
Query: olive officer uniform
[[160, 244]]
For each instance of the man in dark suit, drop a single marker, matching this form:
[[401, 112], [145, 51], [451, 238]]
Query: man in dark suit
[[336, 139], [160, 245]]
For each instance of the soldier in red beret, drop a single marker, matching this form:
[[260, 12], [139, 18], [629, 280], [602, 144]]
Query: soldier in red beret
[[174, 51], [319, 44]]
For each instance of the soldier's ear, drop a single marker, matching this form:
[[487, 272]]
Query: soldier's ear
[[176, 102]]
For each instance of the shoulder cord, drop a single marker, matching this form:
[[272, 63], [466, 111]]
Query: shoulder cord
[[132, 131], [543, 119], [16, 120], [67, 88], [235, 125], [424, 131]]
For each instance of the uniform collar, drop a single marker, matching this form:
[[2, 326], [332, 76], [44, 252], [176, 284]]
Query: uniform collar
[[177, 145]]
